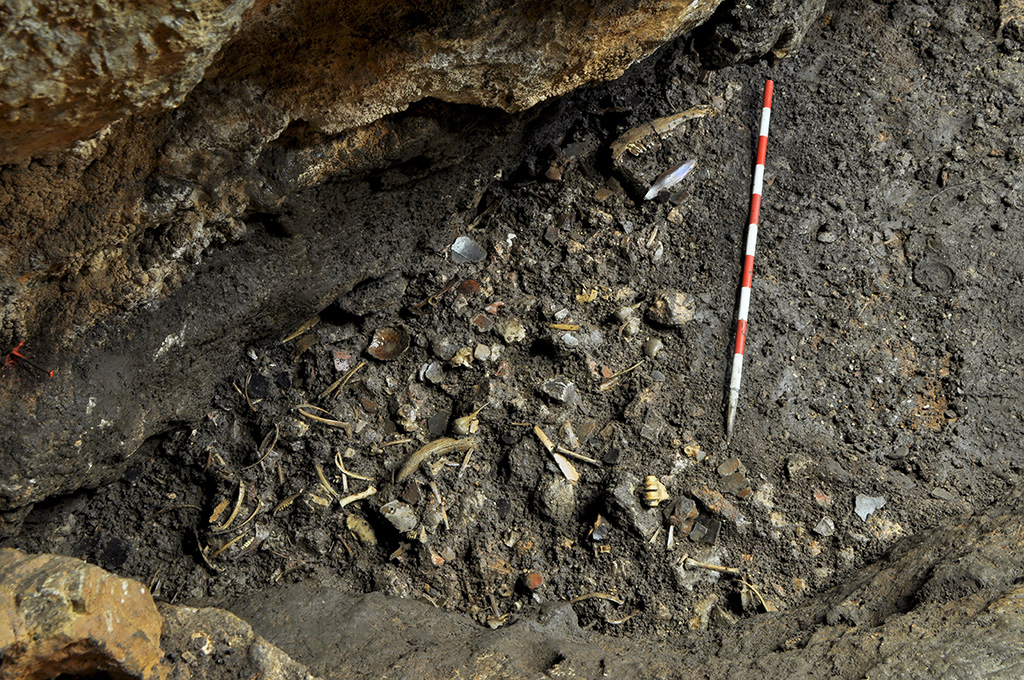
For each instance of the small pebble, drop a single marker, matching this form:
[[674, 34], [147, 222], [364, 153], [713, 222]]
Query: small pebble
[[437, 424], [672, 308], [558, 500], [736, 484], [827, 237], [482, 323], [826, 527], [532, 580], [569, 340], [258, 387], [401, 515], [866, 505], [412, 493], [622, 505], [433, 372], [653, 347], [466, 250], [730, 466], [560, 390], [602, 529], [705, 530]]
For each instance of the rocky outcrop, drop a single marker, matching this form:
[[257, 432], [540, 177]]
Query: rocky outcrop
[[71, 69], [212, 643], [333, 65], [62, 616]]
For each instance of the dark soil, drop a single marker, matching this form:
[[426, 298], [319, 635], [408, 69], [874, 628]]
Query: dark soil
[[883, 359]]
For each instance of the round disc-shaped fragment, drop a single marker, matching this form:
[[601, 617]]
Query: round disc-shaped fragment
[[388, 343]]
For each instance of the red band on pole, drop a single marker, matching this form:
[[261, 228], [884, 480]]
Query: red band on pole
[[748, 271], [741, 336]]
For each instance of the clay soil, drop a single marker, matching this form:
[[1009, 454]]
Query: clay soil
[[883, 359]]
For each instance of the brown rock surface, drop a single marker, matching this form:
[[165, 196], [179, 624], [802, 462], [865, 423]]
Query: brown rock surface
[[59, 615], [335, 65], [213, 643], [340, 65], [70, 69]]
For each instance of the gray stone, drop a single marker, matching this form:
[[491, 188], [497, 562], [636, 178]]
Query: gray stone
[[432, 372], [561, 390], [466, 250], [705, 530], [866, 505], [558, 500], [401, 515], [826, 527], [622, 506]]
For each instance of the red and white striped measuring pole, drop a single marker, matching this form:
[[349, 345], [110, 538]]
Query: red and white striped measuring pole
[[748, 263]]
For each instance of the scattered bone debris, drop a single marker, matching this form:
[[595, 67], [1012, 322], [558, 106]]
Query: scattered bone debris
[[530, 412]]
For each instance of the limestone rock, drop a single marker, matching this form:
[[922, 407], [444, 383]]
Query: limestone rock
[[333, 65], [59, 615], [211, 643], [71, 69], [345, 64]]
